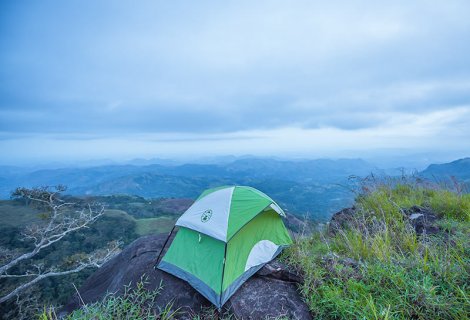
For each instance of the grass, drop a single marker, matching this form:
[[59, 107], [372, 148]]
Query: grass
[[147, 225], [134, 304], [154, 225], [379, 268], [390, 199]]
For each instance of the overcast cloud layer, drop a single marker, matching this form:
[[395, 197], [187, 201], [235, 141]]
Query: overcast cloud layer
[[132, 79]]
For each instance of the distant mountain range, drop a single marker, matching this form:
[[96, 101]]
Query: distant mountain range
[[459, 169], [316, 188]]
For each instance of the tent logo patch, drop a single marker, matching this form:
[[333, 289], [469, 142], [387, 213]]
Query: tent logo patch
[[206, 215]]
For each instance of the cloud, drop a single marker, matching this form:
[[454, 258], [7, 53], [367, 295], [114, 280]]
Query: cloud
[[214, 69], [433, 131]]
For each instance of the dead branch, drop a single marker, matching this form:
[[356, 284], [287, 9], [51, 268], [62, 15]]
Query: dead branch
[[95, 259], [62, 218]]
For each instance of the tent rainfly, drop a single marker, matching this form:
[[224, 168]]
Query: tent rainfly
[[227, 235]]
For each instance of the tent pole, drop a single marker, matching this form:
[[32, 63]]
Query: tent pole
[[161, 250], [222, 282]]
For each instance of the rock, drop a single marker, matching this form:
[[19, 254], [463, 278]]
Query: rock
[[422, 219], [128, 267], [279, 271], [272, 292], [266, 298], [350, 262], [341, 219], [415, 216]]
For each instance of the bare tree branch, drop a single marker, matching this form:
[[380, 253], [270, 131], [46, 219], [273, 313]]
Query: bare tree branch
[[60, 224], [96, 259], [62, 218]]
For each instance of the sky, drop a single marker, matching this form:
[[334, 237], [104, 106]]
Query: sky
[[140, 79]]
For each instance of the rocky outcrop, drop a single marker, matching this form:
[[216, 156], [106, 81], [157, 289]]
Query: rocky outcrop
[[342, 219], [270, 293], [422, 219]]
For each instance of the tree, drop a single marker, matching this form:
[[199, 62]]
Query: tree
[[59, 218]]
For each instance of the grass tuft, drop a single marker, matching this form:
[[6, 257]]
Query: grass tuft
[[134, 304]]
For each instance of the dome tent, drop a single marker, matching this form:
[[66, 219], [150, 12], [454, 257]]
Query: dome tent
[[227, 235]]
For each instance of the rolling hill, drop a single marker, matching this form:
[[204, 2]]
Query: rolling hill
[[315, 188]]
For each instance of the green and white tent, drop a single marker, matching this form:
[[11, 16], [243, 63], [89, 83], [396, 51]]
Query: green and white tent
[[227, 235]]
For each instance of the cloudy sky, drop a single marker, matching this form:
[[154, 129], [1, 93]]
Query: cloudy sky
[[127, 79]]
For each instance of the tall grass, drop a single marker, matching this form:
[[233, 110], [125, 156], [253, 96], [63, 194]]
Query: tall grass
[[379, 268]]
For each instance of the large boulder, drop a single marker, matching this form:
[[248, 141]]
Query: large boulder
[[270, 293]]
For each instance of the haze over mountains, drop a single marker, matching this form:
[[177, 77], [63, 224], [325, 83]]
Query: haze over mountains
[[315, 188]]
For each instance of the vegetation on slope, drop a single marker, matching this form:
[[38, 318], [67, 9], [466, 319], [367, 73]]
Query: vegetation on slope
[[378, 267]]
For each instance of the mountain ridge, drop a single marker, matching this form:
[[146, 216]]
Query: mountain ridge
[[459, 169], [315, 188]]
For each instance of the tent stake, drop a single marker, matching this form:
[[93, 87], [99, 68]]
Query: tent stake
[[166, 241]]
